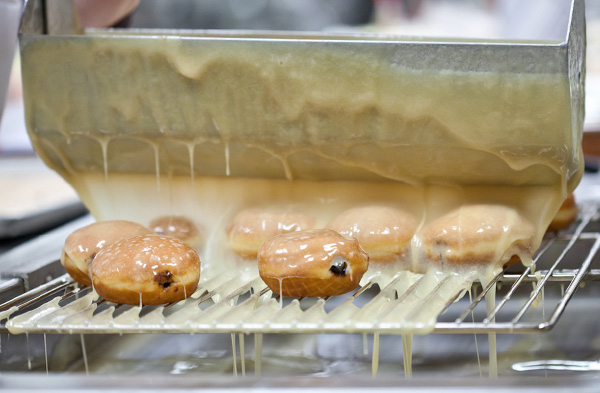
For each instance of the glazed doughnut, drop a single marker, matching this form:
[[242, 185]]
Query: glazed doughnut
[[318, 262], [383, 232], [565, 215], [252, 227], [478, 234], [82, 245], [147, 269], [177, 226]]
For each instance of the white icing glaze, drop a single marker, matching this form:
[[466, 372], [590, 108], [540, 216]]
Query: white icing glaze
[[423, 141]]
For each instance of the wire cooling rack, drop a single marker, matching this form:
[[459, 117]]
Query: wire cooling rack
[[525, 301]]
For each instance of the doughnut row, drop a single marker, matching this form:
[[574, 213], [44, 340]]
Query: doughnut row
[[293, 260], [131, 264]]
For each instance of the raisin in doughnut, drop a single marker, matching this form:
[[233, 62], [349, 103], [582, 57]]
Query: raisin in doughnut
[[385, 233], [82, 245], [318, 262], [177, 226], [147, 269], [478, 234], [250, 228]]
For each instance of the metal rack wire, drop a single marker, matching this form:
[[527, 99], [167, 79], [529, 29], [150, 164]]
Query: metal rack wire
[[245, 305]]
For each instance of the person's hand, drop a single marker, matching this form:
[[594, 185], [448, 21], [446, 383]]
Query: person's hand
[[103, 13]]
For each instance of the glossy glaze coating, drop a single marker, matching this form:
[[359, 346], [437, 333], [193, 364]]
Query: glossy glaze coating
[[318, 262], [177, 226], [147, 269], [478, 234], [383, 232], [82, 245], [565, 215], [251, 227]]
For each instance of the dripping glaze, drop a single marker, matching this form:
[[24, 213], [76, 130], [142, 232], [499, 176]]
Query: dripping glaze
[[420, 141]]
